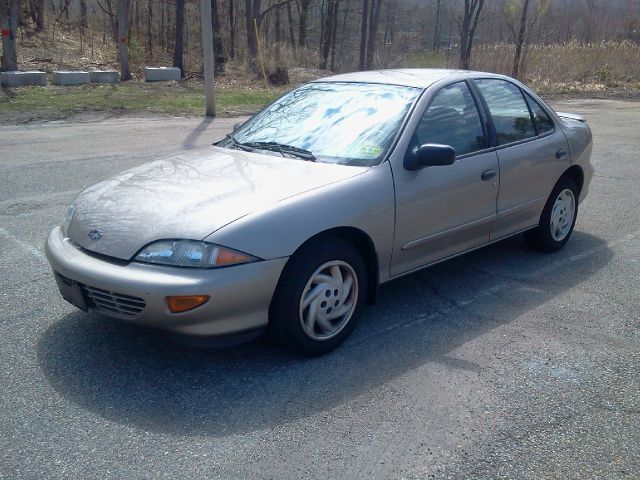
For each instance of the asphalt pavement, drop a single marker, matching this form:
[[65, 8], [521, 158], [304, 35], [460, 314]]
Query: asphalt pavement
[[503, 363]]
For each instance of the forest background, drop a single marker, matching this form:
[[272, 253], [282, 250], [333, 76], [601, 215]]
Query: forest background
[[559, 47]]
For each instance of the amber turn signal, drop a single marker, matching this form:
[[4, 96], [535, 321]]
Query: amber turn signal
[[186, 302]]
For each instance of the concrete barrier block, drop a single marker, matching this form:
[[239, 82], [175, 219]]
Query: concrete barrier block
[[161, 74], [63, 77], [19, 79], [104, 76]]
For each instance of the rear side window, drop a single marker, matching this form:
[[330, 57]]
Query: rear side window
[[543, 122], [452, 119], [508, 109]]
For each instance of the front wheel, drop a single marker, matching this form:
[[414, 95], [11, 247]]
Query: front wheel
[[319, 297], [558, 218]]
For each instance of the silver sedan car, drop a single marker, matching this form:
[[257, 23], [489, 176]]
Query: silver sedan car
[[292, 222]]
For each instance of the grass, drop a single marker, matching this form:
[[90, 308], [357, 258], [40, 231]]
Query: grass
[[426, 59], [609, 63], [170, 98], [609, 69], [602, 69]]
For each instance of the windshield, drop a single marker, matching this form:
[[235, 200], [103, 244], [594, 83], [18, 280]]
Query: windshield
[[346, 123]]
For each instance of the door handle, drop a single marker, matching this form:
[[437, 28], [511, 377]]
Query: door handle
[[488, 175], [561, 154]]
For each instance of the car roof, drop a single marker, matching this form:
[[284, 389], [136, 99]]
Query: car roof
[[410, 77]]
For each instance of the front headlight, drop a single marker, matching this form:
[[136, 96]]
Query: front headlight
[[191, 253], [68, 218]]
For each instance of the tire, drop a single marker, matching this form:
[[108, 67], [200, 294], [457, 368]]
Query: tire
[[558, 218], [315, 326]]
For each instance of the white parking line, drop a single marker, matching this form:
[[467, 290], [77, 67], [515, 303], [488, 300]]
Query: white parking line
[[24, 246]]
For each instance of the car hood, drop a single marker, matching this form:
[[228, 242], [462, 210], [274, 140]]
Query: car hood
[[189, 196]]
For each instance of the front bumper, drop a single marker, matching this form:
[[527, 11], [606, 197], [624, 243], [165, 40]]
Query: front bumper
[[135, 292]]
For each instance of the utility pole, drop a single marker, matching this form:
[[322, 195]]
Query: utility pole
[[207, 53]]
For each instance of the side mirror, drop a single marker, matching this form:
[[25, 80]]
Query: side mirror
[[237, 126], [430, 155]]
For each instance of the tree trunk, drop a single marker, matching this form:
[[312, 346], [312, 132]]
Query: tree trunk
[[218, 48], [467, 26], [178, 50], [32, 10], [125, 71], [334, 36], [322, 24], [150, 28], [374, 21], [163, 29], [9, 21], [292, 38], [84, 22], [137, 3], [278, 29], [113, 20], [328, 32], [363, 34], [436, 30], [302, 22], [515, 72], [252, 10], [39, 15], [232, 31]]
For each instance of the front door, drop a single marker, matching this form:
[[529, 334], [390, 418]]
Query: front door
[[445, 210]]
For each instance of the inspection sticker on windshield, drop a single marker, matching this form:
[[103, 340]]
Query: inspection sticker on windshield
[[370, 150]]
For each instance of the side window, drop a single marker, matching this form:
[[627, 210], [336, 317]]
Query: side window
[[508, 109], [543, 122], [452, 119]]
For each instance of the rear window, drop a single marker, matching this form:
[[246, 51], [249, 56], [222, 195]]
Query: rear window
[[543, 122]]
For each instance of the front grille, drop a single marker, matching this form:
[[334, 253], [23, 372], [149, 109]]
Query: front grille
[[112, 303]]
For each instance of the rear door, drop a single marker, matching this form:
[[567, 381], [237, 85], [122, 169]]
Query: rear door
[[445, 210], [532, 153]]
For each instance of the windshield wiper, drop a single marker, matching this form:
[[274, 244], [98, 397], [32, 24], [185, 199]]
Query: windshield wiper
[[235, 143], [283, 148]]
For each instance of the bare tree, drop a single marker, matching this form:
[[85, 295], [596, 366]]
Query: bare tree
[[123, 54], [303, 10], [64, 10], [218, 48], [436, 28], [329, 32], [372, 36], [467, 24], [150, 28], [292, 37], [232, 31], [370, 20], [9, 12], [363, 34], [520, 39], [36, 11], [525, 29], [252, 11], [39, 15], [178, 50], [84, 21]]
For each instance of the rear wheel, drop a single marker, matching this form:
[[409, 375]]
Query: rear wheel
[[319, 297], [558, 218]]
